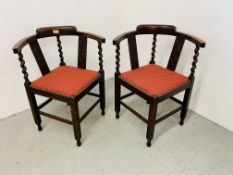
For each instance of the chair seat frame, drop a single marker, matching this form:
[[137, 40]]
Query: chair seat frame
[[154, 29], [58, 31]]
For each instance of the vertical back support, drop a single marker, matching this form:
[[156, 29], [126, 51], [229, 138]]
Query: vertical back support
[[62, 63], [100, 50], [152, 61], [175, 54], [37, 52], [133, 52], [82, 52], [194, 63], [117, 60], [24, 69]]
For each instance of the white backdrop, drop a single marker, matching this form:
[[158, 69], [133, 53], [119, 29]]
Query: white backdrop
[[211, 20]]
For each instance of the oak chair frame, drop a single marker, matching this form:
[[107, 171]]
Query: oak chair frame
[[58, 31], [155, 30]]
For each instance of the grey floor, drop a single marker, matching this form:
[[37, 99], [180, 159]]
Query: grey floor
[[114, 147]]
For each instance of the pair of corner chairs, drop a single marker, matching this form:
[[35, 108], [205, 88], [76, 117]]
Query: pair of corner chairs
[[70, 84]]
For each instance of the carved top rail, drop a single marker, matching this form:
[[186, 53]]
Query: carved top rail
[[56, 30], [155, 28]]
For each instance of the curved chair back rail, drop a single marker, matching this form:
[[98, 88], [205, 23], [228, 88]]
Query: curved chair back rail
[[158, 29], [155, 29], [57, 31]]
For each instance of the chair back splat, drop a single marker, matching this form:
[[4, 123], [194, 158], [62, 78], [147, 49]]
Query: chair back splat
[[175, 54], [133, 52], [153, 82], [82, 52], [68, 84], [39, 56]]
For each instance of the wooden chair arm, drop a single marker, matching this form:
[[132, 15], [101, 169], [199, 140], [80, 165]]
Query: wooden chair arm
[[123, 36], [96, 37], [199, 42], [20, 44]]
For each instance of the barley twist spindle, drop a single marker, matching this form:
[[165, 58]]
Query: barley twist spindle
[[100, 50], [153, 50], [117, 59], [195, 60], [24, 68], [62, 63]]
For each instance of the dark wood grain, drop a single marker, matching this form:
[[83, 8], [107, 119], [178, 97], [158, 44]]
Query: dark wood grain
[[59, 46], [155, 28], [93, 36], [152, 61], [150, 123], [133, 52], [56, 31], [197, 41], [39, 57], [82, 52], [175, 54], [123, 36]]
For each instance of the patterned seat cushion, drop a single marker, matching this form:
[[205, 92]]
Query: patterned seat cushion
[[154, 80], [66, 80]]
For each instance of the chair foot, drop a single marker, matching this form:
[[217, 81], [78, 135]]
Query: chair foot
[[181, 122], [117, 115], [148, 144], [79, 143], [102, 112], [40, 128]]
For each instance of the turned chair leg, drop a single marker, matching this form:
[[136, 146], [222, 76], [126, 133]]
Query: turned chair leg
[[34, 109], [117, 97], [184, 109], [102, 95], [76, 122], [151, 122]]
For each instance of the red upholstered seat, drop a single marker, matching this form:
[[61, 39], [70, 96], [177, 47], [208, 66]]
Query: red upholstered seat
[[154, 80], [66, 80]]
